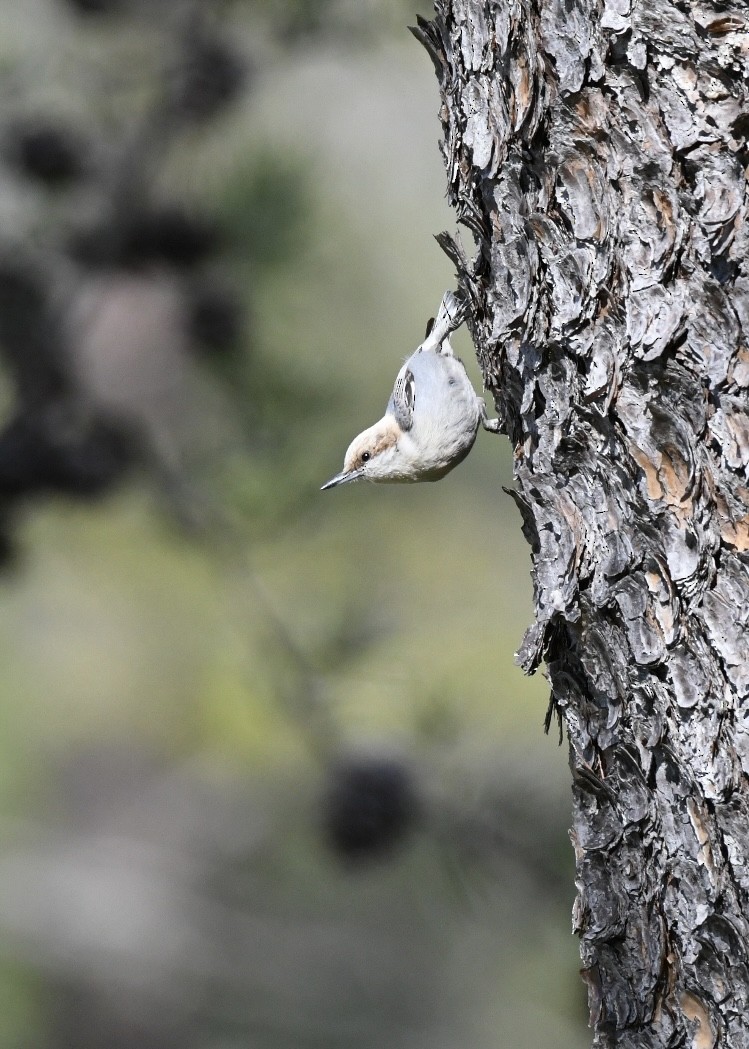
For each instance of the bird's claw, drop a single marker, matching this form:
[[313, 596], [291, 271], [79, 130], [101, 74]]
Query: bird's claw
[[491, 425]]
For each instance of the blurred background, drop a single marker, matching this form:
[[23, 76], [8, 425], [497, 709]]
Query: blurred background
[[269, 776]]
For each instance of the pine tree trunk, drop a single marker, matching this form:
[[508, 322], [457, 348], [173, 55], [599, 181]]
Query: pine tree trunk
[[598, 154]]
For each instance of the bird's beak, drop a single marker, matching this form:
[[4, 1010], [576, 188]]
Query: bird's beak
[[343, 478]]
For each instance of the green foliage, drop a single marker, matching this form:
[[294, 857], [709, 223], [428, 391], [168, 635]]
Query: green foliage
[[264, 210]]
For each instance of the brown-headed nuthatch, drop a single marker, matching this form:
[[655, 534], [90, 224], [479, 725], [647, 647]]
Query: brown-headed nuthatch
[[432, 417]]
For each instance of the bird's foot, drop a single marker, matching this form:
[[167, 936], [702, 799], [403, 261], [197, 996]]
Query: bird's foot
[[492, 425]]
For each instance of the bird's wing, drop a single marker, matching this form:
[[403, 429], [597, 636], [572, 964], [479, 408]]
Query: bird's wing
[[403, 399]]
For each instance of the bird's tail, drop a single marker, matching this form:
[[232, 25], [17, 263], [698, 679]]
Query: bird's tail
[[450, 316]]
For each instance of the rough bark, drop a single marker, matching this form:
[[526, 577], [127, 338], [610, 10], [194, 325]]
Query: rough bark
[[597, 151]]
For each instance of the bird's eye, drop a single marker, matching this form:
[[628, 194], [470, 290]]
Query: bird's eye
[[366, 456]]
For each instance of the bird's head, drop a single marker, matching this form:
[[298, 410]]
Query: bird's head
[[374, 456]]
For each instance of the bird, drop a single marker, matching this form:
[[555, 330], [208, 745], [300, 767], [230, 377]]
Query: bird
[[432, 417]]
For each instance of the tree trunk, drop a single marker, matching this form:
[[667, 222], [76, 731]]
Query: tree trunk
[[598, 153]]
